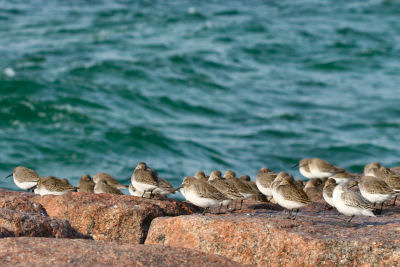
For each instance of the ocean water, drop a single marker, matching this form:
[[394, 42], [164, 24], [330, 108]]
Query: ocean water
[[90, 86]]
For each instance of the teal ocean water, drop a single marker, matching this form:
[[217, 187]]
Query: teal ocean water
[[90, 86]]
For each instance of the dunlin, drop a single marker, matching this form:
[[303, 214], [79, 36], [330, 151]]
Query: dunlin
[[287, 195], [312, 189], [375, 190], [245, 178], [264, 180], [201, 193], [351, 203], [201, 176], [225, 187], [102, 187], [24, 178], [391, 179], [321, 168], [144, 178], [328, 190], [244, 189], [370, 168], [109, 179], [51, 185], [86, 184], [304, 168], [343, 177]]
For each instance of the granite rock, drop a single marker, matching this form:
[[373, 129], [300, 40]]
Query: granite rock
[[120, 218], [261, 235], [50, 252]]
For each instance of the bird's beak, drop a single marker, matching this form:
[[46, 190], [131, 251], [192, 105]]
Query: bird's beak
[[295, 165], [353, 185], [9, 175], [179, 188]]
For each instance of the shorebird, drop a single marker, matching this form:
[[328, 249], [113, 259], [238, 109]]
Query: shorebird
[[164, 188], [86, 184], [201, 176], [351, 203], [244, 189], [321, 168], [226, 188], [343, 177], [102, 187], [51, 185], [25, 178], [312, 189], [264, 180], [144, 179], [328, 190], [201, 193], [318, 168], [287, 195], [304, 168], [375, 190], [109, 179], [391, 179]]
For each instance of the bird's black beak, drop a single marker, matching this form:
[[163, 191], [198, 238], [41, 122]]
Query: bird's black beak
[[9, 175], [295, 165], [179, 188]]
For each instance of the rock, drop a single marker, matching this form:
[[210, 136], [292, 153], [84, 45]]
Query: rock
[[16, 223], [67, 252], [125, 219], [264, 237], [20, 216]]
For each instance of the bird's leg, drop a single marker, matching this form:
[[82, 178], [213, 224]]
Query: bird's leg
[[382, 206], [374, 204], [351, 218], [205, 210], [394, 202], [289, 214], [144, 192], [241, 203], [295, 216], [151, 193]]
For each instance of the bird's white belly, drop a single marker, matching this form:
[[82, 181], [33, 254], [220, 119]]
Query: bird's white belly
[[43, 191], [288, 204], [306, 174], [265, 190], [203, 202], [25, 185], [142, 186], [375, 198]]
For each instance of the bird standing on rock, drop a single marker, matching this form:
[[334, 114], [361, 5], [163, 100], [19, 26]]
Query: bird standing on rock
[[375, 190], [86, 184], [264, 180], [226, 188], [351, 203], [25, 178], [201, 194], [318, 168], [51, 185], [287, 195], [102, 187], [109, 179], [144, 179]]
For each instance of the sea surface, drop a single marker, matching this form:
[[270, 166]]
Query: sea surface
[[91, 86]]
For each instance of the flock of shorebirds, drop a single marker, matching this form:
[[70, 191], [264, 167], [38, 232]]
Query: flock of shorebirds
[[376, 185]]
